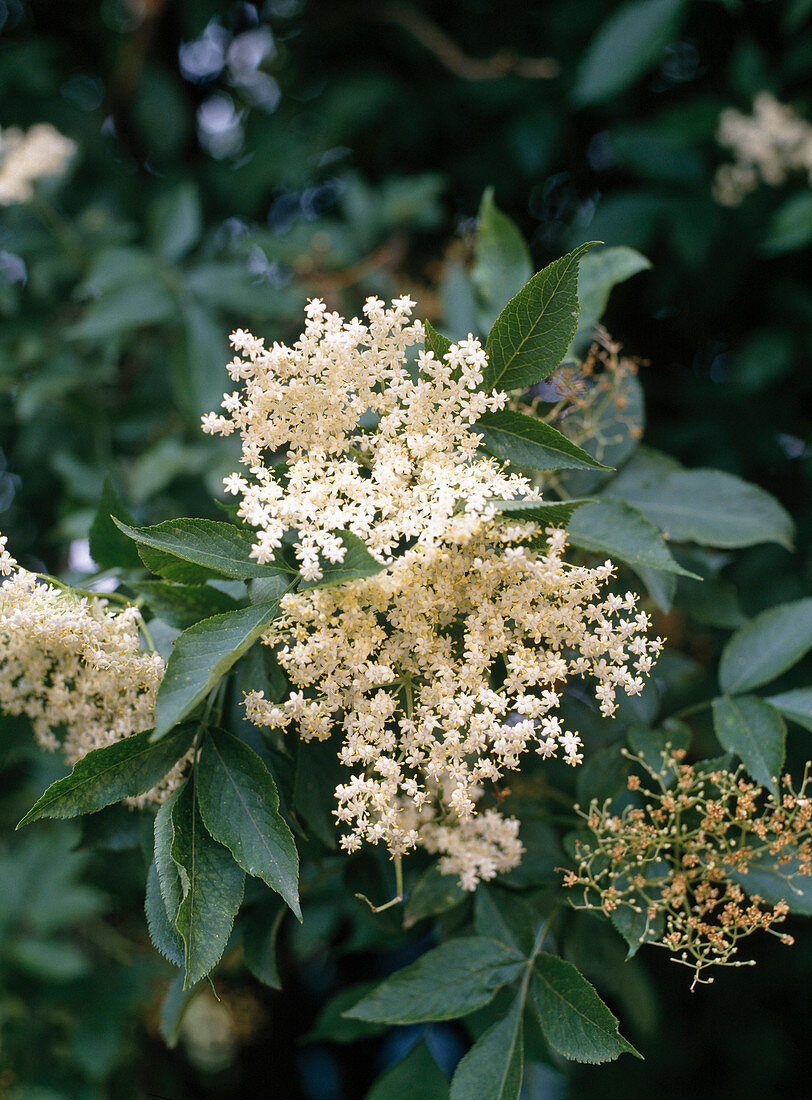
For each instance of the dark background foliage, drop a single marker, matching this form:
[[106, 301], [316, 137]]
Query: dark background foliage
[[236, 158]]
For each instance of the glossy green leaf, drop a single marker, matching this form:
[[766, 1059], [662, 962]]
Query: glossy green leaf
[[614, 528], [239, 805], [795, 705], [756, 732], [573, 1018], [418, 1075], [220, 547], [451, 980], [123, 769], [529, 443], [765, 647], [202, 655], [212, 886], [502, 263], [493, 1067], [546, 512], [712, 508], [630, 41], [532, 333]]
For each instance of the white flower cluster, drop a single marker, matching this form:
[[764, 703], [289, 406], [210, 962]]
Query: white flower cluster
[[445, 668], [378, 444], [441, 672], [30, 155], [72, 666], [767, 146]]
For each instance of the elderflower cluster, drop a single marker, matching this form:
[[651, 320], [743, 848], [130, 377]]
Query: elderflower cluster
[[72, 666], [443, 671], [378, 441], [30, 155], [767, 146], [672, 858]]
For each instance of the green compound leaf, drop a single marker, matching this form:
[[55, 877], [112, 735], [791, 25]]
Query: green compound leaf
[[162, 932], [795, 705], [122, 770], [711, 508], [218, 547], [766, 646], [555, 512], [212, 885], [532, 333], [573, 1018], [435, 341], [418, 1075], [239, 805], [615, 528], [357, 563], [502, 263], [530, 443], [451, 980], [493, 1067], [109, 548], [202, 655], [630, 41], [756, 732]]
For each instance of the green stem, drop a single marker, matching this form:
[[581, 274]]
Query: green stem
[[397, 899], [115, 597]]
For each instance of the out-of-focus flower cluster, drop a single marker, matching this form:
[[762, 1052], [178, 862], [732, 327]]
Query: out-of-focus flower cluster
[[72, 665], [767, 146], [441, 671], [672, 859], [30, 155], [378, 442]]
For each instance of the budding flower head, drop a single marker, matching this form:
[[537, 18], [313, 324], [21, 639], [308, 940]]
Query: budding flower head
[[677, 856]]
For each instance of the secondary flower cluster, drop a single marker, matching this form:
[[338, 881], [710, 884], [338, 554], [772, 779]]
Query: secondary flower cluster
[[441, 672], [378, 440], [27, 156], [71, 664], [673, 859], [767, 146]]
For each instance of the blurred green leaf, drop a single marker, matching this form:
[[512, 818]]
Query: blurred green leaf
[[614, 528], [502, 263], [175, 221], [765, 647], [629, 43], [417, 1075]]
